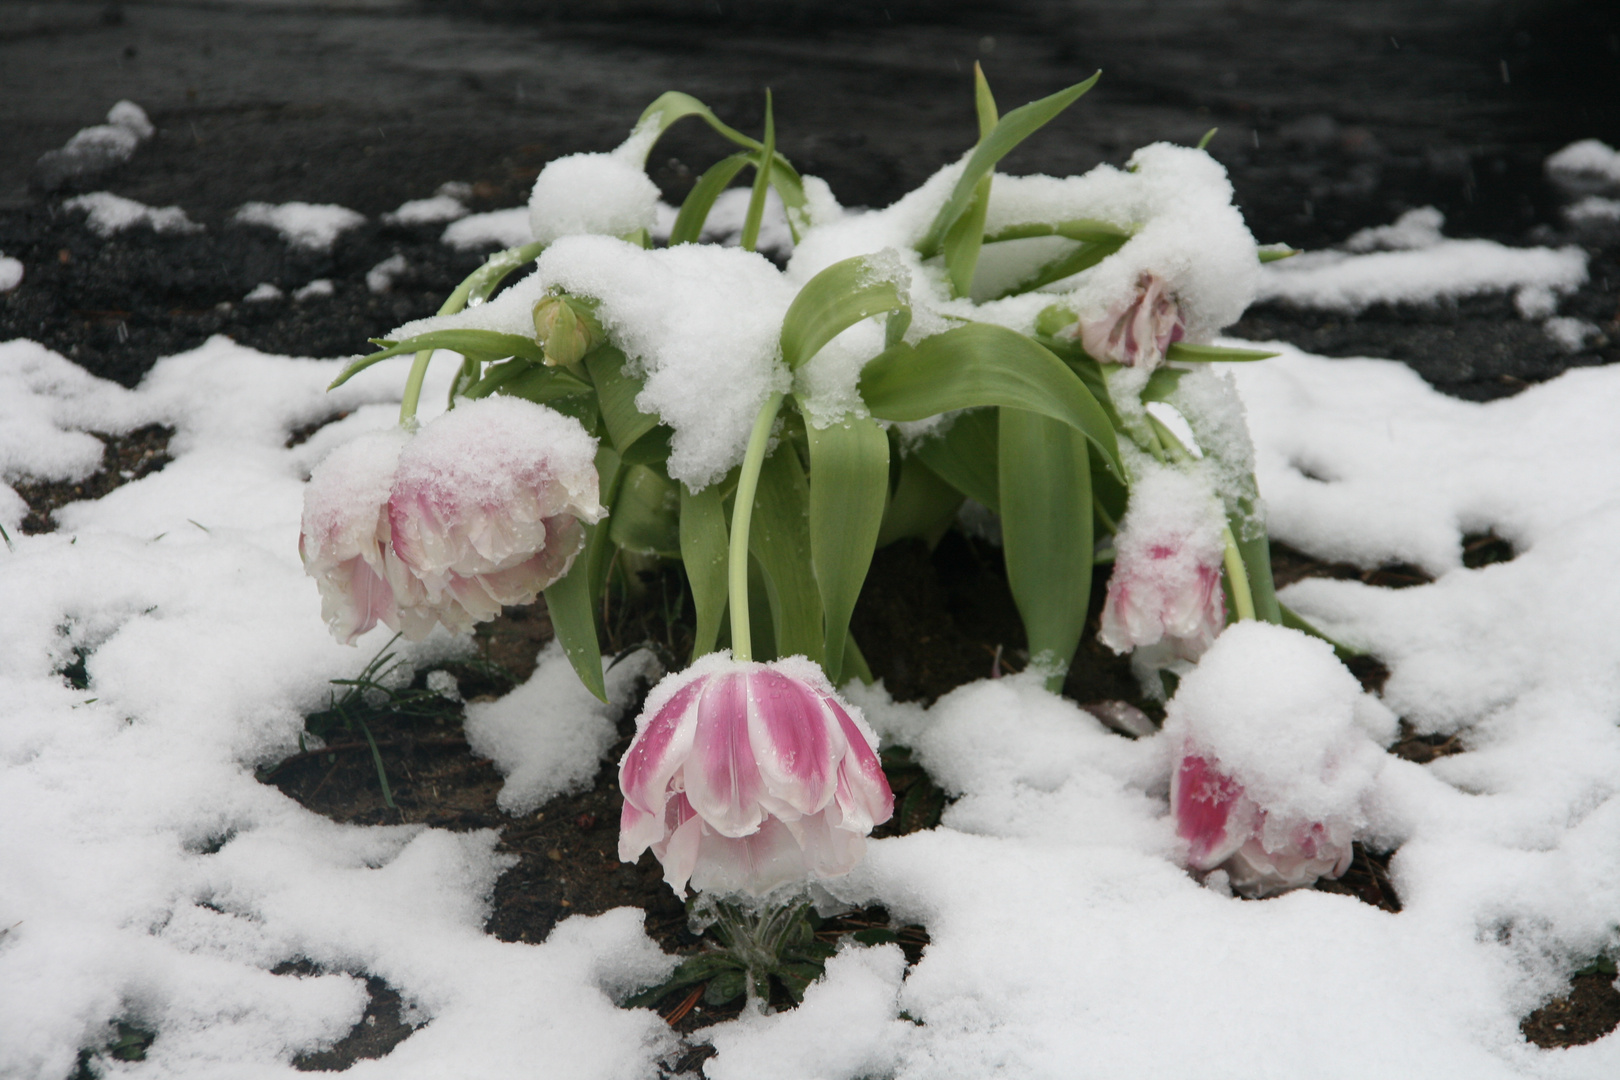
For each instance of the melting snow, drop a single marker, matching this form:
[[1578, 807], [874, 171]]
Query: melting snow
[[311, 226], [109, 214]]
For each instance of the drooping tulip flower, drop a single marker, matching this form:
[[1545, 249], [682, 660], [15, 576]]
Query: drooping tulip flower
[[1276, 753], [344, 541], [1166, 584], [488, 506], [744, 776], [1262, 856], [1136, 330]]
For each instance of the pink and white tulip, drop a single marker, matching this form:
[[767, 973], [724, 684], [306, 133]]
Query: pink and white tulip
[[489, 504], [485, 507], [1166, 583], [746, 776], [1136, 330], [1261, 855]]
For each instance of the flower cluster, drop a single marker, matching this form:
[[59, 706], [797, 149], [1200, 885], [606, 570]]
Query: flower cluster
[[485, 507], [746, 776]]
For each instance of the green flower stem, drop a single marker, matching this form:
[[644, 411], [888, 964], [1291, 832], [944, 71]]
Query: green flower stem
[[1236, 574], [413, 389], [742, 513]]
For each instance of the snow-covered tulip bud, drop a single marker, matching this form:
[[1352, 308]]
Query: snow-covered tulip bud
[[746, 776], [1136, 330], [344, 539], [488, 507], [566, 331], [1273, 760], [1166, 584]]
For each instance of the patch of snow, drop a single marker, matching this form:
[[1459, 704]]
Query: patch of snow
[[495, 229], [320, 287], [311, 226], [262, 292], [1593, 210], [1414, 230], [1571, 334], [447, 204], [380, 278], [11, 272], [95, 149], [1585, 164], [591, 194], [109, 214]]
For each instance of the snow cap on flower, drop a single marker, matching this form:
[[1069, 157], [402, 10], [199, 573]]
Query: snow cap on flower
[[344, 539], [601, 194], [1137, 328], [745, 776], [489, 503], [1273, 759], [1166, 583]]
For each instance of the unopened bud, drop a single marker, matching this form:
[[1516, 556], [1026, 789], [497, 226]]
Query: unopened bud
[[564, 331]]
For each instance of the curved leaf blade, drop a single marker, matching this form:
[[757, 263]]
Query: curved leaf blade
[[1045, 482], [849, 482], [922, 504], [833, 301], [616, 391], [1010, 130], [704, 544], [966, 456], [780, 543], [979, 364], [646, 513], [700, 200], [1203, 354]]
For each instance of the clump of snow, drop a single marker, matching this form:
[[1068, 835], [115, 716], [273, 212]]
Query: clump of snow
[[1588, 164], [1535, 302], [380, 278], [701, 323], [109, 214], [314, 227], [1336, 281], [320, 287], [262, 292], [548, 736], [1572, 335], [1277, 712], [447, 204], [1414, 230], [497, 228], [94, 149], [46, 405], [1593, 210], [11, 272], [591, 194]]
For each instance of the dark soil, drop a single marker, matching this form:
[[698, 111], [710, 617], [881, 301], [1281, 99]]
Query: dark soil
[[1333, 117]]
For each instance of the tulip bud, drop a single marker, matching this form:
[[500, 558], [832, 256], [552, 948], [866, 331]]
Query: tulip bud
[[566, 330], [746, 776]]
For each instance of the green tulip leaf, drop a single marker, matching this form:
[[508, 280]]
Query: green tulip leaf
[[922, 504], [483, 345], [700, 201], [646, 513], [1184, 352], [704, 542], [1046, 516], [979, 364], [616, 390], [849, 480], [834, 300], [965, 456], [762, 183], [780, 542]]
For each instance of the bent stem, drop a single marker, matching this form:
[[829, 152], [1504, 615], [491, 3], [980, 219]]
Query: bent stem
[[742, 514]]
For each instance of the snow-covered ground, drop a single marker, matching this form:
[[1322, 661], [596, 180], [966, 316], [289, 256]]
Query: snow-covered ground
[[1065, 938]]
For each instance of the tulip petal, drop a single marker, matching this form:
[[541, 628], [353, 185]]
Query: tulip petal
[[863, 793], [829, 849], [1204, 801], [793, 742], [660, 749], [638, 831], [754, 864], [680, 852], [722, 778]]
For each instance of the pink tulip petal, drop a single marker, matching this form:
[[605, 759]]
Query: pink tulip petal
[[680, 852], [829, 849], [863, 793], [660, 749], [638, 831], [754, 864], [722, 778], [1203, 800], [794, 745]]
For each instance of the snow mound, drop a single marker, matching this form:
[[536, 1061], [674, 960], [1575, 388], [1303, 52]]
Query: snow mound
[[311, 226], [109, 214], [497, 228]]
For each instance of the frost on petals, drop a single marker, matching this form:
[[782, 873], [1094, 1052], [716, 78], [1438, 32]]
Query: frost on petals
[[1137, 329], [1166, 583], [746, 776]]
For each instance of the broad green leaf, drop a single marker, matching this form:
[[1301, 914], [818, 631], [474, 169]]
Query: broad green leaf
[[1162, 384], [762, 182], [849, 480], [966, 236], [1088, 230], [922, 503], [965, 456], [1010, 130], [544, 385], [573, 617], [616, 390], [979, 364], [1081, 258], [651, 449], [598, 551], [480, 344], [700, 200], [1046, 533], [833, 301], [1187, 353], [780, 541], [646, 514], [496, 377], [855, 666], [704, 541]]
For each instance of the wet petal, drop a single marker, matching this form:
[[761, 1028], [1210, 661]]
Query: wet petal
[[863, 793], [660, 749], [794, 743], [754, 864], [1208, 816], [722, 778]]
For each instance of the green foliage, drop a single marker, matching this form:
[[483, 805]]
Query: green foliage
[[1183, 352], [700, 200], [704, 541], [780, 543], [849, 474], [834, 300]]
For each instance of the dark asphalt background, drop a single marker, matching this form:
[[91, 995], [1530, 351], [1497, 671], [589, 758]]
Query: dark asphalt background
[[1333, 115]]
